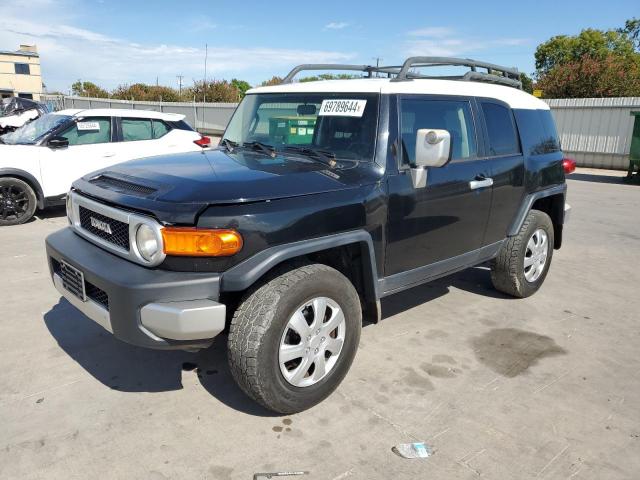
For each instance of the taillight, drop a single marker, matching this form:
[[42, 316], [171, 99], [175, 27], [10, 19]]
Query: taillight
[[203, 141], [569, 165]]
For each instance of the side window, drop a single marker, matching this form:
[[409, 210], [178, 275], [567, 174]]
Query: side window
[[451, 115], [503, 138], [160, 129], [134, 129], [551, 134], [22, 69], [88, 131]]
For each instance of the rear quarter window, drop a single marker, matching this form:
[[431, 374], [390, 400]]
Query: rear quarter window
[[538, 131]]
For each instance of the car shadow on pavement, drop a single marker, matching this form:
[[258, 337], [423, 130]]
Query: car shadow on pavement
[[51, 212], [475, 280], [128, 368]]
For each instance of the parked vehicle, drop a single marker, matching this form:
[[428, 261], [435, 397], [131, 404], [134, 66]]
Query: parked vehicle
[[322, 198], [39, 161], [16, 112]]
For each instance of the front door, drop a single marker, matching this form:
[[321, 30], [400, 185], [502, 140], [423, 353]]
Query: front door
[[447, 217], [89, 149]]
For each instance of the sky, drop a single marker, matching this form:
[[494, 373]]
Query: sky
[[114, 42]]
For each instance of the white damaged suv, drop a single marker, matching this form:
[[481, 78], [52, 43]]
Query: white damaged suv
[[39, 161]]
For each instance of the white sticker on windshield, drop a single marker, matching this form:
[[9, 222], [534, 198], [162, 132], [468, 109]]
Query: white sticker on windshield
[[342, 108], [88, 126]]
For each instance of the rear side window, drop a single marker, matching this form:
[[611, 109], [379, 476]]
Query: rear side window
[[160, 129], [503, 139], [88, 131], [538, 131], [453, 116], [134, 129]]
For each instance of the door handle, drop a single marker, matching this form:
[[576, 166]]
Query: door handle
[[481, 182], [109, 154]]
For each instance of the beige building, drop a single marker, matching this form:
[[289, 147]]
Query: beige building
[[20, 73]]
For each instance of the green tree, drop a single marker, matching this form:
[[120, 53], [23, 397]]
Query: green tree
[[241, 85], [527, 82], [594, 63], [613, 76], [88, 89], [144, 92], [275, 80], [214, 91], [632, 30], [595, 44]]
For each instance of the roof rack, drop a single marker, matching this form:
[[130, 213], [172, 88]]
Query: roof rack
[[405, 72]]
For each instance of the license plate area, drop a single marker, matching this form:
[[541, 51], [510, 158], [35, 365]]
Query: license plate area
[[73, 281]]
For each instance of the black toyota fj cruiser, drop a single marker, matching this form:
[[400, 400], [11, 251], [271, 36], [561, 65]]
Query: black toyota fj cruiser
[[321, 199]]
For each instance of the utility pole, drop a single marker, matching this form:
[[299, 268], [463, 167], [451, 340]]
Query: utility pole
[[378, 60], [180, 77]]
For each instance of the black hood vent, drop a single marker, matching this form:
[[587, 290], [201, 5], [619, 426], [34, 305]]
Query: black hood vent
[[123, 186]]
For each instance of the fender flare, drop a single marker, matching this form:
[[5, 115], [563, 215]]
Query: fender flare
[[246, 273], [528, 202], [27, 177]]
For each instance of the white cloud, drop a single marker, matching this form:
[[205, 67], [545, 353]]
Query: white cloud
[[447, 42], [435, 32], [68, 53], [336, 25]]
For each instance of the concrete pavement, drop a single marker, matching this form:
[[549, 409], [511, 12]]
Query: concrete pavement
[[545, 387]]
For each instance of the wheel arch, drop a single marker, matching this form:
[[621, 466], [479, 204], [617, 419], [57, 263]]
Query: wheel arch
[[29, 179], [351, 253], [550, 201]]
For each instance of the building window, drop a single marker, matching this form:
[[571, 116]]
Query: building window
[[22, 69], [26, 95]]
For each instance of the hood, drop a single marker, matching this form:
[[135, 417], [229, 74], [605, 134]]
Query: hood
[[189, 182]]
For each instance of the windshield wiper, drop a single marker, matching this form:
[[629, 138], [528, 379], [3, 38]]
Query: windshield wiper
[[324, 156], [228, 144], [263, 147]]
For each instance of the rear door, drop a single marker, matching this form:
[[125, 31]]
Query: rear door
[[504, 153], [447, 217], [146, 137], [90, 148]]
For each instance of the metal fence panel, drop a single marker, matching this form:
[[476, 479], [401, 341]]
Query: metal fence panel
[[596, 132]]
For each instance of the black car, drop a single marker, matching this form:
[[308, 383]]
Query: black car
[[321, 199]]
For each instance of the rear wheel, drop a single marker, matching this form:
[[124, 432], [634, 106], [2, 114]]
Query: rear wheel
[[523, 261], [17, 201], [294, 337]]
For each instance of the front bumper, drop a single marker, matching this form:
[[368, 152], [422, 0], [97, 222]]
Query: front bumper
[[145, 307]]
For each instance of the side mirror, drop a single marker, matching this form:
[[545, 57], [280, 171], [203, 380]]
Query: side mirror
[[58, 142], [433, 147]]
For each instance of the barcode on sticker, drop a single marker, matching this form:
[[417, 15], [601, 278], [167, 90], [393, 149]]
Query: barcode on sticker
[[342, 108], [88, 126]]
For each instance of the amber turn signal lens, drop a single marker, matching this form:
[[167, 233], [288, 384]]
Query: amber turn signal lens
[[200, 242]]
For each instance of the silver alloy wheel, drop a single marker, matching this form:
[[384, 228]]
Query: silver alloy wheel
[[311, 342], [535, 256]]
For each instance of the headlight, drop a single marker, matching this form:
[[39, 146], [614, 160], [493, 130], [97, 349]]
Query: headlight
[[69, 208], [147, 242]]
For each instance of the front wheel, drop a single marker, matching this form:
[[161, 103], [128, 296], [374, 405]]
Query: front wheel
[[523, 261], [17, 201], [294, 337]]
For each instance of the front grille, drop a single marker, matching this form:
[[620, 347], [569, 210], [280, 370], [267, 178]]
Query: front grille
[[119, 235], [97, 295], [72, 280], [122, 186]]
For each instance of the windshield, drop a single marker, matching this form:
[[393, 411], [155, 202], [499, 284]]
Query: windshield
[[340, 124], [33, 132]]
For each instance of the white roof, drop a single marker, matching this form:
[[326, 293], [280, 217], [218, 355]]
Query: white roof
[[512, 96], [121, 112]]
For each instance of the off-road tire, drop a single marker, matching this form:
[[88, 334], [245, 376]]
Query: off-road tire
[[258, 325], [507, 269], [10, 186]]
